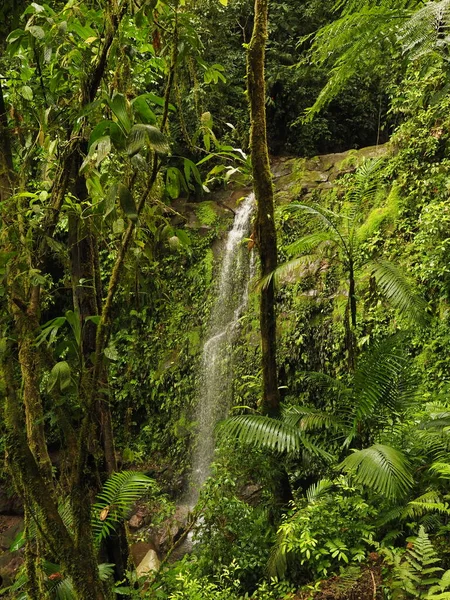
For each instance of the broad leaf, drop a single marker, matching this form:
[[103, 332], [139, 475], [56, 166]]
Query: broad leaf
[[127, 202], [146, 135], [381, 468]]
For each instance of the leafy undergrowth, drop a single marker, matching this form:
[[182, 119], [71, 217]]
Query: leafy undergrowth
[[356, 584]]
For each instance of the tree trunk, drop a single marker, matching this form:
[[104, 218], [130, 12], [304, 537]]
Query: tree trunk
[[265, 224], [351, 319]]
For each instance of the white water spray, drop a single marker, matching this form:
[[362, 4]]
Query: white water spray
[[216, 380]]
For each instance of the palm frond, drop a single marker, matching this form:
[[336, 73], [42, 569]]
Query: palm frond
[[291, 269], [309, 242], [118, 495], [400, 293], [319, 489], [310, 419], [381, 468], [271, 433]]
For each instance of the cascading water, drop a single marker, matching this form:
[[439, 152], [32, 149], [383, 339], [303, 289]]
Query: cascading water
[[216, 380]]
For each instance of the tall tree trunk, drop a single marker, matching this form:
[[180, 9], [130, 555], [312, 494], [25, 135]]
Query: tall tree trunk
[[351, 319], [265, 224]]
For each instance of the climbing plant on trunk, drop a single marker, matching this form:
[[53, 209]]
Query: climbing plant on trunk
[[265, 225]]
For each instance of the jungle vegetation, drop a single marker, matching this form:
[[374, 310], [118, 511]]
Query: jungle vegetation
[[128, 132]]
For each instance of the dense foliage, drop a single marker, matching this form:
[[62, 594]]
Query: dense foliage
[[122, 125]]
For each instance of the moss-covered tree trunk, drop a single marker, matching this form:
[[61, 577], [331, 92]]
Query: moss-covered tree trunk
[[265, 224]]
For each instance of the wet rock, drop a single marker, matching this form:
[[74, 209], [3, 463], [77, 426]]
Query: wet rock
[[137, 520], [10, 563], [251, 494], [149, 564], [171, 529], [139, 550]]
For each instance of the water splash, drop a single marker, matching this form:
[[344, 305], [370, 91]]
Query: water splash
[[216, 381]]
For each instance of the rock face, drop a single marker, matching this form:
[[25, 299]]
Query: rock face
[[299, 177], [171, 529]]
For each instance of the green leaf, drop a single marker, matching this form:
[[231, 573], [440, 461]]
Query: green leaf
[[26, 92], [127, 202], [74, 321], [60, 374], [382, 468], [157, 100], [143, 111], [110, 200], [15, 35], [36, 31], [118, 105], [173, 182], [146, 135], [190, 168]]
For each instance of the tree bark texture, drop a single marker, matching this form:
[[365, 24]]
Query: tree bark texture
[[265, 224]]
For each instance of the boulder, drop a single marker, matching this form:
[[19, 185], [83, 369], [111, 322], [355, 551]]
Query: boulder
[[149, 564], [139, 550], [136, 521]]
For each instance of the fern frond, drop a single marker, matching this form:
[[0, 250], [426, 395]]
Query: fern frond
[[442, 469], [426, 503], [427, 30], [352, 44], [324, 381], [400, 293], [118, 495], [381, 468], [277, 563], [290, 270], [377, 378], [366, 181]]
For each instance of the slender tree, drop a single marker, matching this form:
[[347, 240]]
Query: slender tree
[[265, 224]]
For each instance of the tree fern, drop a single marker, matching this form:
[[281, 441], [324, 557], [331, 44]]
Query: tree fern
[[368, 30], [118, 495], [381, 468], [427, 30]]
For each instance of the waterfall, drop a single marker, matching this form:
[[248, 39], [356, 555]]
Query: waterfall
[[216, 378]]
